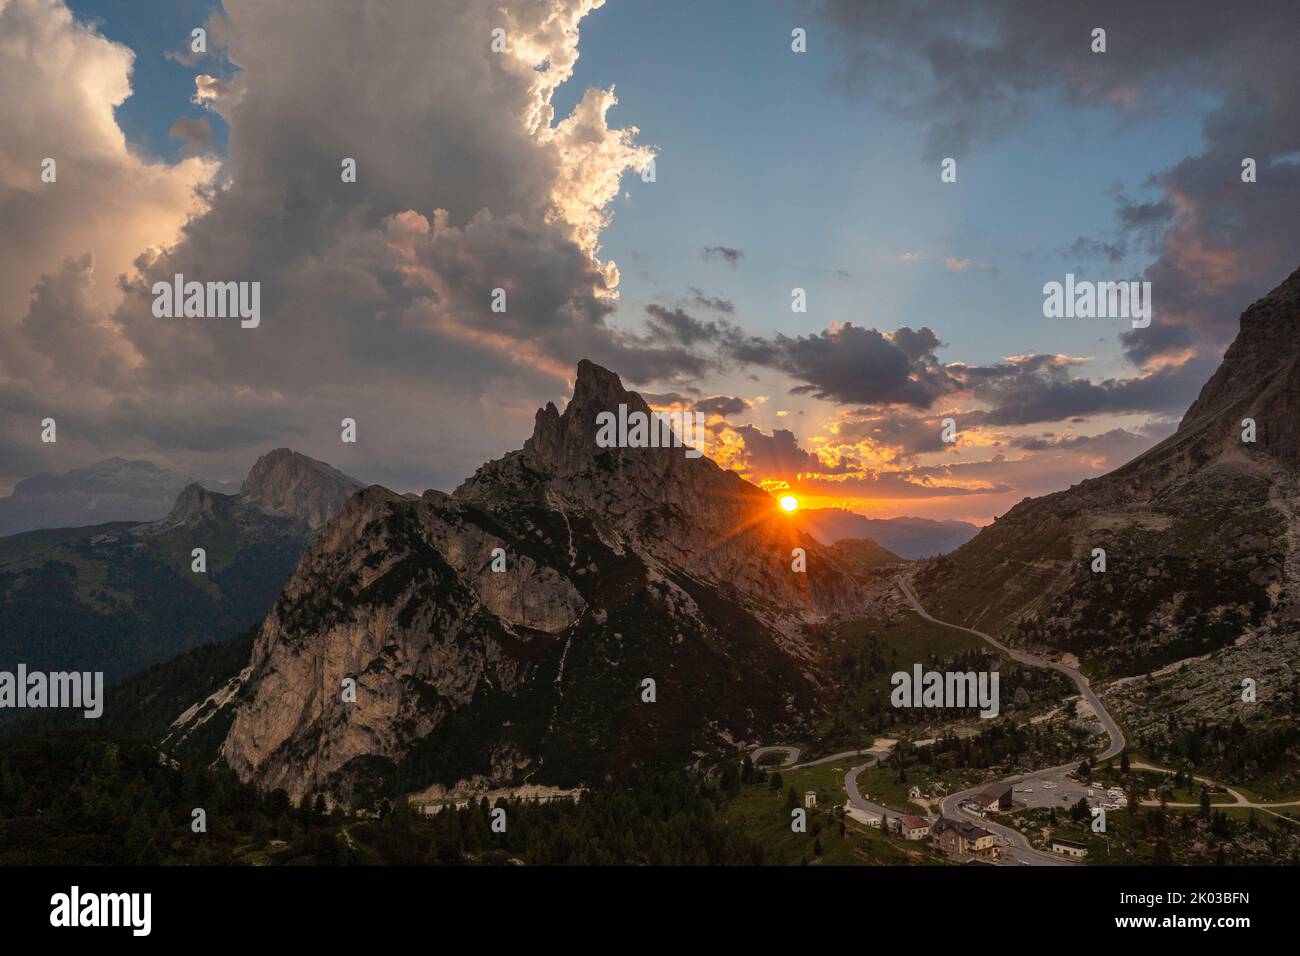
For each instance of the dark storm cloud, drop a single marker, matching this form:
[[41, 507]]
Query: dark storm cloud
[[854, 365], [723, 405], [1050, 395]]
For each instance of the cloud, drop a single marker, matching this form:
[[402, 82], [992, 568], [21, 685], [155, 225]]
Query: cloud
[[895, 435], [1085, 248], [724, 405], [727, 254], [778, 456], [953, 264], [1039, 389], [63, 82], [714, 303], [376, 295], [194, 133], [679, 326], [851, 364]]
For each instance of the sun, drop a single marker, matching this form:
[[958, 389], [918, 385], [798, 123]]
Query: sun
[[790, 503]]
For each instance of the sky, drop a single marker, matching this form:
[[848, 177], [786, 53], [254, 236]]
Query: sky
[[530, 170]]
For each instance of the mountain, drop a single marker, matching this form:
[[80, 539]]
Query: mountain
[[116, 489], [1200, 533], [621, 565], [911, 538], [867, 553], [119, 596]]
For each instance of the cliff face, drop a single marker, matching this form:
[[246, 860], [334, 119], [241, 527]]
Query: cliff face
[[620, 565], [1258, 378], [1201, 533], [307, 490]]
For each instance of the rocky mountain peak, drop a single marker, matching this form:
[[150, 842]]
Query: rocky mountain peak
[[492, 632], [303, 488], [565, 443], [193, 504], [1259, 377]]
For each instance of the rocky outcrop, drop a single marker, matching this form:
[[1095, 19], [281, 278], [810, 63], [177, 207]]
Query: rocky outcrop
[[504, 632], [685, 512], [307, 490]]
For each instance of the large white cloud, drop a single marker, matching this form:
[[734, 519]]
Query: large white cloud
[[375, 295]]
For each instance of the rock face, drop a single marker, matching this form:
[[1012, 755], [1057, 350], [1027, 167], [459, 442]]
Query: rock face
[[307, 490], [620, 565], [1259, 378], [1200, 533]]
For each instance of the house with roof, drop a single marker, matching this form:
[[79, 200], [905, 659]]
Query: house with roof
[[996, 797], [963, 838], [914, 827], [1069, 848]]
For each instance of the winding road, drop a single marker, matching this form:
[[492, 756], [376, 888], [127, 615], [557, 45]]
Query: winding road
[[1016, 849]]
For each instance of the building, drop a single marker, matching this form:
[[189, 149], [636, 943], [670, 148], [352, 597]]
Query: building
[[914, 827], [997, 797], [810, 799], [962, 838], [914, 793], [1069, 848]]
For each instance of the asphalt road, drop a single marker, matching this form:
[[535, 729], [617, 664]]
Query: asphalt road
[[1085, 689], [1041, 788], [1065, 791]]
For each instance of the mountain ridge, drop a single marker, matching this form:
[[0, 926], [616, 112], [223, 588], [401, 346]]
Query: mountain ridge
[[122, 595], [620, 564]]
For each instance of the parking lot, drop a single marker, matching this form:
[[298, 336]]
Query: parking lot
[[1062, 792]]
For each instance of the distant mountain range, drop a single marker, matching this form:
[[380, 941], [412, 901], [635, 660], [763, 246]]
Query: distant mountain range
[[119, 596], [116, 489], [910, 538]]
